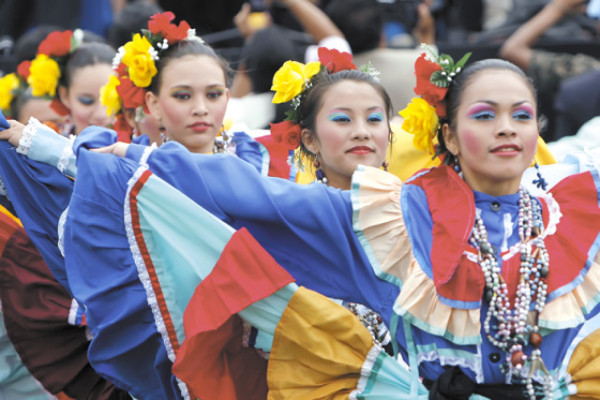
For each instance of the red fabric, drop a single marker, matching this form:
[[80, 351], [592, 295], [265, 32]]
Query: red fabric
[[578, 229], [35, 309], [139, 237], [212, 351], [452, 207], [278, 154]]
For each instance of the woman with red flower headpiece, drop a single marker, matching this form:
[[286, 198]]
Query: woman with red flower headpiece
[[489, 285], [169, 73]]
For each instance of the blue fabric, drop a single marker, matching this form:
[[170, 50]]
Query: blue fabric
[[142, 139], [3, 122], [39, 194], [103, 276]]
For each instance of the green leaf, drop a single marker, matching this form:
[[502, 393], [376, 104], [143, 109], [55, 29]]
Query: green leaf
[[463, 60], [439, 80]]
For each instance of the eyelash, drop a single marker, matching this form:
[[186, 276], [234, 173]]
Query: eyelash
[[374, 118], [187, 96], [487, 115], [88, 101]]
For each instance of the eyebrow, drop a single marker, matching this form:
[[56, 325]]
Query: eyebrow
[[189, 87], [493, 103], [349, 109]]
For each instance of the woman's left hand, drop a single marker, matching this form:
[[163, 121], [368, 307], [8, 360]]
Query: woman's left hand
[[14, 133], [118, 148]]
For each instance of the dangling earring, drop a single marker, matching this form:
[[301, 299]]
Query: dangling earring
[[456, 164], [540, 182], [321, 178], [385, 165]]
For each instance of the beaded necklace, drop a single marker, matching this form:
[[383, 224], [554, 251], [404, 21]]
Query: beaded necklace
[[512, 329]]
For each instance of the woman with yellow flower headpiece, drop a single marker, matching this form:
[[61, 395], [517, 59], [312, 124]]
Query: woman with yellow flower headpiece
[[489, 285]]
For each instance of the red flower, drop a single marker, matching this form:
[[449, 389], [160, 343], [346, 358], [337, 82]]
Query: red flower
[[59, 107], [121, 70], [335, 60], [131, 95], [431, 93], [123, 129], [159, 23], [23, 69], [287, 133], [56, 44]]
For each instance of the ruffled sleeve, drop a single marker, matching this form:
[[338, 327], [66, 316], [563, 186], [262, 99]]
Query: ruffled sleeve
[[301, 226]]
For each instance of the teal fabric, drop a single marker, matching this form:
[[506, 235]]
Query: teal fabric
[[48, 146]]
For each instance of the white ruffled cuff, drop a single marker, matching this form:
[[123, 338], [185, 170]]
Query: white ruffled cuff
[[28, 133]]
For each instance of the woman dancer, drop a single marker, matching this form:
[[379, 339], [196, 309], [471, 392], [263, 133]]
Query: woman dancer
[[467, 268]]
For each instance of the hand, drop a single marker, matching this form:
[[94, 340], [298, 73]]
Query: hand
[[424, 32], [118, 148], [14, 133]]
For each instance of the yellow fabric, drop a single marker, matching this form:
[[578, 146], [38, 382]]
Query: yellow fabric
[[318, 350], [584, 368], [4, 211], [404, 159]]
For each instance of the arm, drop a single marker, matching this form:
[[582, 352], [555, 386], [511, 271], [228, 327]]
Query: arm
[[40, 143], [517, 47], [314, 21]]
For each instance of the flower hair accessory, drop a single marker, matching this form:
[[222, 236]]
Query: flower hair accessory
[[46, 69], [434, 73], [135, 64], [291, 83], [13, 85]]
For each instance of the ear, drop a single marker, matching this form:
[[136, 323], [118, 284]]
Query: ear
[[129, 115], [309, 141], [63, 96], [152, 103], [450, 139]]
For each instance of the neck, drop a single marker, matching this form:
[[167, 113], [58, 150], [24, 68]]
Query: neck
[[494, 188]]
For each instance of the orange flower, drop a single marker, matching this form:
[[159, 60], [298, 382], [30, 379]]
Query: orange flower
[[430, 92]]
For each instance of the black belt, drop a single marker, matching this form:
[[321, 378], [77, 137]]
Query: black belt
[[453, 384]]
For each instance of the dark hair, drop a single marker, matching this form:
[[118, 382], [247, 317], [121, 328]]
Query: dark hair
[[313, 98], [461, 82], [185, 48], [90, 53], [264, 53], [360, 21], [131, 19]]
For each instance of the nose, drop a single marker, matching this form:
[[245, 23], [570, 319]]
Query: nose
[[361, 131], [199, 106], [506, 126], [99, 115]]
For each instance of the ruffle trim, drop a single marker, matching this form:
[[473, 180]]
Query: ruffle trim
[[65, 157], [379, 224], [571, 309], [144, 276], [28, 133], [420, 304]]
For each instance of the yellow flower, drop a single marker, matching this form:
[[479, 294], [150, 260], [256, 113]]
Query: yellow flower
[[290, 80], [43, 76], [8, 83], [421, 120], [139, 60], [109, 96]]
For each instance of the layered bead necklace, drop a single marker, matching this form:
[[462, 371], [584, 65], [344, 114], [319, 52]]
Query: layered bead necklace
[[511, 329]]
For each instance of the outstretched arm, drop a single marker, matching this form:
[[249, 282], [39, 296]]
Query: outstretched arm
[[517, 47], [314, 20]]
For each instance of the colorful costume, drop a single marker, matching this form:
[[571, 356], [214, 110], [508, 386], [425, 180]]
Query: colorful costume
[[402, 250], [41, 194]]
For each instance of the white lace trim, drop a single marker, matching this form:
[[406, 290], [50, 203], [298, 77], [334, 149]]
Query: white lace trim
[[61, 231], [72, 319], [28, 133], [145, 277], [65, 156], [365, 371], [473, 365], [147, 151], [554, 214]]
